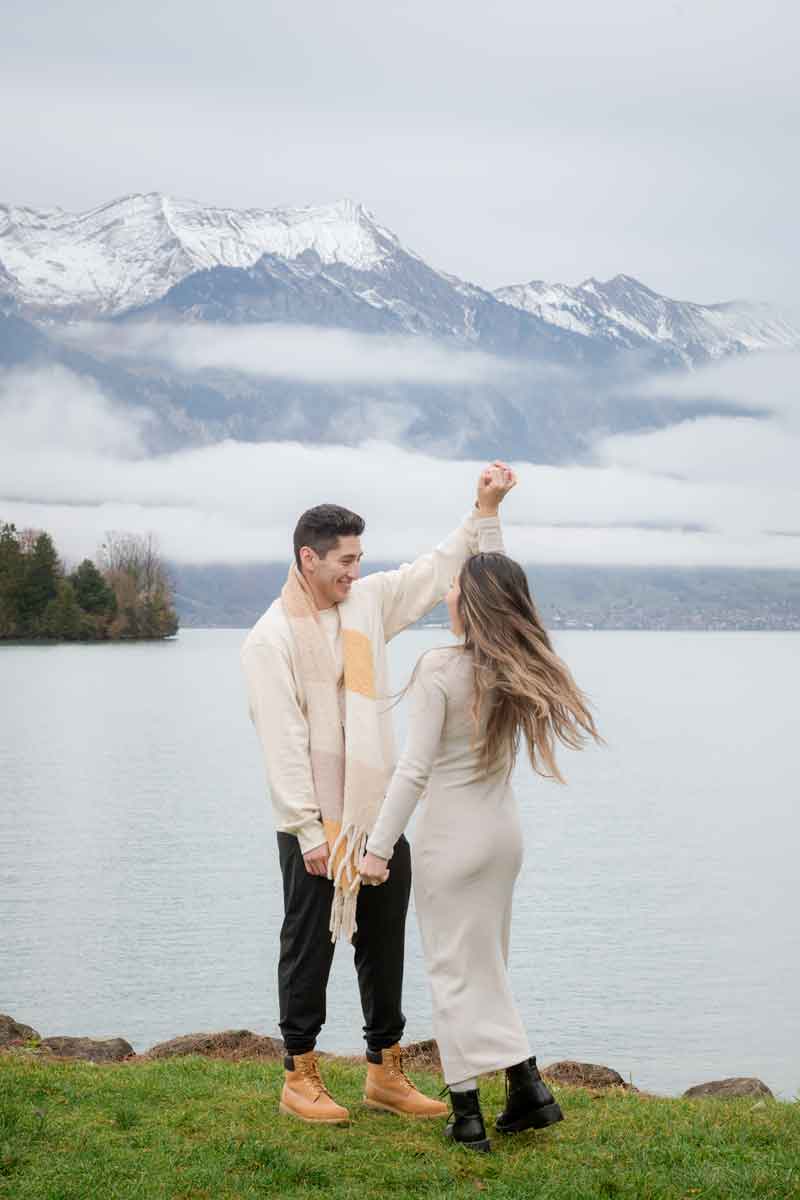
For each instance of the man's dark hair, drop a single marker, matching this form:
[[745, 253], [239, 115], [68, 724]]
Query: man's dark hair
[[321, 527]]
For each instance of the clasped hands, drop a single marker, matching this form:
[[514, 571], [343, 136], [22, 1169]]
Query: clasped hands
[[373, 870], [494, 483]]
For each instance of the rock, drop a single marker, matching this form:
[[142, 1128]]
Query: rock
[[423, 1054], [587, 1075], [728, 1089], [12, 1031], [230, 1043], [92, 1049]]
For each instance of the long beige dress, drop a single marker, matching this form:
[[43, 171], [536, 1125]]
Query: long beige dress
[[466, 855]]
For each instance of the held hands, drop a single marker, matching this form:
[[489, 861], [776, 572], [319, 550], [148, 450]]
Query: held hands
[[373, 870], [494, 484]]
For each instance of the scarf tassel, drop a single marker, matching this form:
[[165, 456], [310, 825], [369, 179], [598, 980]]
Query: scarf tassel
[[348, 848]]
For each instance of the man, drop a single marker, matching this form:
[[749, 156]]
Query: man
[[317, 680]]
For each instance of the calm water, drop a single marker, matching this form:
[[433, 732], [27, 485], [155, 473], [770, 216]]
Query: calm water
[[656, 925]]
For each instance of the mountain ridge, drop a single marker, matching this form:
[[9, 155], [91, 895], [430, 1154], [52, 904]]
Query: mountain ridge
[[129, 255], [626, 312], [575, 362]]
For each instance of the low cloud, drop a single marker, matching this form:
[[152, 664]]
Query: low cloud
[[763, 382], [52, 410], [303, 353], [718, 491]]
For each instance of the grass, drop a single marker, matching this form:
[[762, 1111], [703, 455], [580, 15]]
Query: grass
[[206, 1129]]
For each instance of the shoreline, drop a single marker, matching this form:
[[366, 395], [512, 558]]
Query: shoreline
[[239, 1045]]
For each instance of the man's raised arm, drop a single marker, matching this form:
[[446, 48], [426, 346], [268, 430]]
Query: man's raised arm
[[412, 590]]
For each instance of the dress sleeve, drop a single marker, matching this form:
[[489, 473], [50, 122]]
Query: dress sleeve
[[427, 710]]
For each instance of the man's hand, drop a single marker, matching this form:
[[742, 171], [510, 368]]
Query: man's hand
[[494, 484], [373, 869], [317, 860]]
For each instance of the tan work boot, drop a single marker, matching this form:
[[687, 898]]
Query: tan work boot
[[304, 1094], [388, 1087]]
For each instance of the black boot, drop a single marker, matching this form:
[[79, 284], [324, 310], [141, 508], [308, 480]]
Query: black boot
[[529, 1102], [466, 1124]]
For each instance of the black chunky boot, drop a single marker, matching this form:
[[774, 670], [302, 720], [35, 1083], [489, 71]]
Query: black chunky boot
[[466, 1124], [529, 1102]]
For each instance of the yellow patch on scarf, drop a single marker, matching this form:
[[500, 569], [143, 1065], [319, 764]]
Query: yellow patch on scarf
[[359, 670], [332, 831]]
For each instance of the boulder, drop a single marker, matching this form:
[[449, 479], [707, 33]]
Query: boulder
[[230, 1043], [91, 1049], [12, 1031], [728, 1089], [423, 1054], [587, 1075]]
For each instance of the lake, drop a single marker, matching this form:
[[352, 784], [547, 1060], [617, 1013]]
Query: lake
[[655, 925]]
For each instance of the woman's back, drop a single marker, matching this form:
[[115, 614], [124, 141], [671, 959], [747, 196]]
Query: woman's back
[[444, 683], [466, 852], [440, 765]]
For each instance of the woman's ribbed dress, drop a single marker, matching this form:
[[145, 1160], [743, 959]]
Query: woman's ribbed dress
[[466, 854]]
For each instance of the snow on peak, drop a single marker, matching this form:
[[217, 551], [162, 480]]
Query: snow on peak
[[630, 314], [130, 251]]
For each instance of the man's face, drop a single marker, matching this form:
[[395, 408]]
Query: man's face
[[332, 577]]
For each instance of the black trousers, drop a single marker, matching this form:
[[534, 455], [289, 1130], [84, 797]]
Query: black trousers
[[306, 951]]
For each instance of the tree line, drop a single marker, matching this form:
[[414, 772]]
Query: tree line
[[125, 594]]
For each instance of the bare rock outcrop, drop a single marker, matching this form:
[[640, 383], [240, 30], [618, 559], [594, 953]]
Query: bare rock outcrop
[[230, 1043], [91, 1049], [424, 1055], [728, 1089], [13, 1032], [587, 1075]]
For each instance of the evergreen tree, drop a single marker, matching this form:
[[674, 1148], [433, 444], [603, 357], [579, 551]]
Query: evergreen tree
[[91, 590], [130, 598], [11, 571], [39, 583], [63, 617]]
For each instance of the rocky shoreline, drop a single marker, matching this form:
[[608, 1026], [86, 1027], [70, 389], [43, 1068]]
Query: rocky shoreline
[[236, 1044]]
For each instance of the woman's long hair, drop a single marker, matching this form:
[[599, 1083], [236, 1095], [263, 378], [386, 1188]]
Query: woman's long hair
[[522, 687]]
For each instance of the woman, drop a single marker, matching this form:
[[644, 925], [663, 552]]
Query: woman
[[471, 706]]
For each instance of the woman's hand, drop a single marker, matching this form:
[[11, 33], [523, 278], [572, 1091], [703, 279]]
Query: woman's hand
[[494, 484], [373, 870]]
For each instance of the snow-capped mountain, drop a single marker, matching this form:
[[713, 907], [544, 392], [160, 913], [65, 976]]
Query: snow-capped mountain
[[130, 252], [624, 312], [161, 257], [335, 265]]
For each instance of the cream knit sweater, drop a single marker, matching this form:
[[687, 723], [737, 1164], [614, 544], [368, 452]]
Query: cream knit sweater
[[387, 602]]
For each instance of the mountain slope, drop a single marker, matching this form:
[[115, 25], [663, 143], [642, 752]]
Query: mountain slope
[[401, 296], [155, 259], [335, 265], [627, 314], [131, 251]]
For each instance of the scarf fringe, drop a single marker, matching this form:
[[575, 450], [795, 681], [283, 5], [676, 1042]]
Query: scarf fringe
[[348, 847]]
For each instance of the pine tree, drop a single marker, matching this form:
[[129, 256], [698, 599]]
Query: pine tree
[[63, 617], [39, 583], [11, 572], [91, 590]]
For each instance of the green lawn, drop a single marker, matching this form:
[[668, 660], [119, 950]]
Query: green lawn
[[193, 1128]]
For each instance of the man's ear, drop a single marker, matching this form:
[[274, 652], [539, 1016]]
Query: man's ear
[[308, 558]]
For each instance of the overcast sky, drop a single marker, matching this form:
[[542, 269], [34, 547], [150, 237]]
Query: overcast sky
[[506, 142]]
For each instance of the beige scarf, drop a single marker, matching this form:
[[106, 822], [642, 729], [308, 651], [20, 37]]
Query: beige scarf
[[349, 774]]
